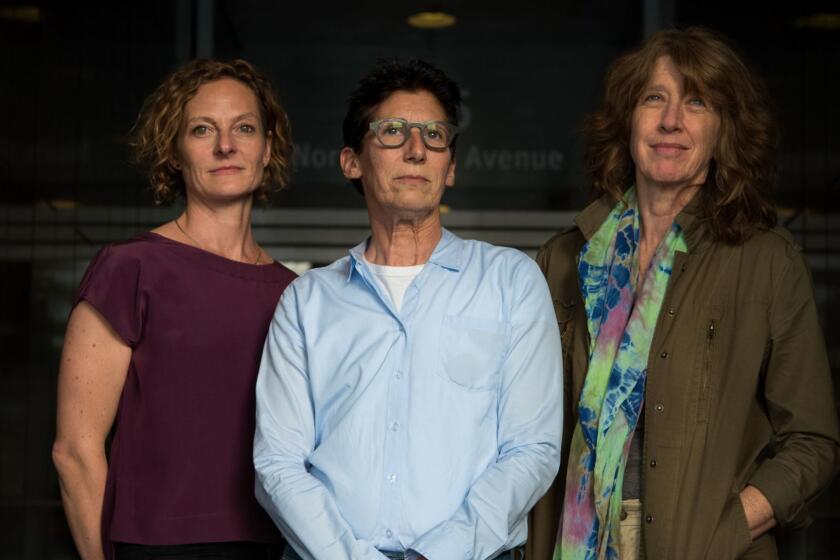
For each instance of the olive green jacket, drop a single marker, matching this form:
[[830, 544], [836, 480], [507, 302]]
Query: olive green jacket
[[738, 392]]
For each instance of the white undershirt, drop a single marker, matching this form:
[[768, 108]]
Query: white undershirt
[[395, 280]]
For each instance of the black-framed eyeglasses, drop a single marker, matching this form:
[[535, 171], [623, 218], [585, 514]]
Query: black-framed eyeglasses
[[393, 132]]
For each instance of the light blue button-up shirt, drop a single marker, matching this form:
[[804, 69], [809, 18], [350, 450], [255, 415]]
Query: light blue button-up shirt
[[431, 430]]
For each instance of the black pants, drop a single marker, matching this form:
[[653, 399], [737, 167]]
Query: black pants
[[203, 551]]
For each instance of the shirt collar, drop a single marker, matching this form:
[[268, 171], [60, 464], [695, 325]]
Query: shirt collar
[[447, 254], [449, 251]]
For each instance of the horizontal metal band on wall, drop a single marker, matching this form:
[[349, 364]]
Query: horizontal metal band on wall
[[319, 236]]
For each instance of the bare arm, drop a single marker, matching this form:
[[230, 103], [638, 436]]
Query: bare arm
[[94, 363], [758, 511]]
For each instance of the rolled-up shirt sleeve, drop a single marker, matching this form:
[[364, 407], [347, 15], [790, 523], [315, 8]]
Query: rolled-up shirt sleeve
[[298, 503], [530, 412], [799, 400]]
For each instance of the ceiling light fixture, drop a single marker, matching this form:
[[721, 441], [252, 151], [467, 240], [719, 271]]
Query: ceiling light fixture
[[25, 14], [818, 21], [431, 20]]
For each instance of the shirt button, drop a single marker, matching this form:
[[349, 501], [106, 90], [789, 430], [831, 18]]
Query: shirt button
[[671, 311], [649, 518], [395, 426], [653, 463], [389, 533], [623, 515], [659, 407], [392, 478], [663, 355], [398, 375]]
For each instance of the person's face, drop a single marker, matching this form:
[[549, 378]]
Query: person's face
[[673, 134], [223, 147], [405, 182]]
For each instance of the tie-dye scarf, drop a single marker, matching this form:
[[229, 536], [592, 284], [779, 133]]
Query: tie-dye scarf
[[621, 321]]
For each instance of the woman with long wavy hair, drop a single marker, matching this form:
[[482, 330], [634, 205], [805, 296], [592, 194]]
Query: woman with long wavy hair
[[700, 410]]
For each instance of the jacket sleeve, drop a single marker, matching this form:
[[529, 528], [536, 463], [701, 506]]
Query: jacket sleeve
[[799, 399]]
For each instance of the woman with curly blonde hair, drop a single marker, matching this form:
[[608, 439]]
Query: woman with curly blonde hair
[[166, 333], [699, 410]]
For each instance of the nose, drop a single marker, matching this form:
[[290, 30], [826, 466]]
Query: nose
[[225, 144], [671, 117], [415, 149]]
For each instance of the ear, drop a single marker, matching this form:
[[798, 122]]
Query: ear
[[350, 165], [450, 174], [269, 137]]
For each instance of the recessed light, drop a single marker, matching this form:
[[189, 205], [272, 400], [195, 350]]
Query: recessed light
[[431, 20], [818, 21]]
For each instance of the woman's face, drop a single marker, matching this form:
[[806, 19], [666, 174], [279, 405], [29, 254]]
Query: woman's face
[[404, 181], [673, 134], [223, 147]]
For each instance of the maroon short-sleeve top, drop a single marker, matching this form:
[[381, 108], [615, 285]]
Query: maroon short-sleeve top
[[180, 464]]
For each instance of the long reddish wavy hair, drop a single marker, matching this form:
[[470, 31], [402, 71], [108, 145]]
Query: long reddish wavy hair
[[736, 197]]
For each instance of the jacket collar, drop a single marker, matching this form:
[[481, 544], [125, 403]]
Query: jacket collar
[[591, 218]]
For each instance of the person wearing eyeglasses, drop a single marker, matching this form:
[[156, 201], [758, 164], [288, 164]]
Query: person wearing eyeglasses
[[409, 396]]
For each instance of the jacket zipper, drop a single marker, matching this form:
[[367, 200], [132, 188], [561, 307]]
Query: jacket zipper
[[703, 404]]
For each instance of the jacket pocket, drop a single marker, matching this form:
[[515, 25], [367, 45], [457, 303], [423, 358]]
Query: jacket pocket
[[472, 350], [731, 538]]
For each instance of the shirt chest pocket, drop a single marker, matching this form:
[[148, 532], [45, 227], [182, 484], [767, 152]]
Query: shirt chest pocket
[[472, 351]]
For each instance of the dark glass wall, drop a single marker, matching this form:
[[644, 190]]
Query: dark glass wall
[[75, 75]]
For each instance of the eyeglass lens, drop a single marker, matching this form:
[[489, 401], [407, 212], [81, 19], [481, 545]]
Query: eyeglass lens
[[395, 132]]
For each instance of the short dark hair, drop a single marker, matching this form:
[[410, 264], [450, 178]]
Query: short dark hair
[[389, 76], [736, 197], [155, 134]]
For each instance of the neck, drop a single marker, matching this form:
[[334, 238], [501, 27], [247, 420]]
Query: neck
[[659, 207], [225, 231], [403, 242]]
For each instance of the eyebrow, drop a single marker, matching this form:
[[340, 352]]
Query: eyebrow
[[443, 120], [213, 121]]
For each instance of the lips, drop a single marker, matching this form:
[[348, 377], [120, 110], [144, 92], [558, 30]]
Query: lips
[[412, 179], [226, 169], [669, 148]]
